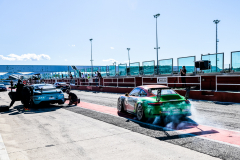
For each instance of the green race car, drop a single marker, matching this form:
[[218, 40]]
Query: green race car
[[150, 101]]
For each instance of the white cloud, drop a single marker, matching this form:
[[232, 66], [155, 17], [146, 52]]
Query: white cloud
[[65, 60], [112, 47], [73, 45], [25, 57], [110, 60]]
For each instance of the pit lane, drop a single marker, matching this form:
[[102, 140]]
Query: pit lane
[[212, 129], [218, 116]]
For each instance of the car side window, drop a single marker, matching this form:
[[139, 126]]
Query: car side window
[[135, 92], [143, 93]]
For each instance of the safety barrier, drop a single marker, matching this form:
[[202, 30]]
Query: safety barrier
[[121, 81], [166, 81], [227, 84], [205, 82], [86, 82]]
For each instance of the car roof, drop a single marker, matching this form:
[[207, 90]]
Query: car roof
[[153, 86]]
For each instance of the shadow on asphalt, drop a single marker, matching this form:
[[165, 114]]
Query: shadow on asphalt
[[19, 109], [169, 123]]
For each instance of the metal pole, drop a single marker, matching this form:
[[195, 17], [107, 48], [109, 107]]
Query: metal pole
[[155, 16], [157, 45], [216, 38], [216, 22], [91, 56], [128, 56], [216, 47]]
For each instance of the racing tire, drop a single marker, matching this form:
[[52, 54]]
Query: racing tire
[[120, 105], [31, 104], [4, 108], [26, 97], [140, 112]]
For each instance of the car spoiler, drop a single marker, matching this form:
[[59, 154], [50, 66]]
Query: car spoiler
[[47, 89]]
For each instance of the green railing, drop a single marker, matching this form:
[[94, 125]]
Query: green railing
[[148, 67], [112, 70], [103, 71], [134, 68], [217, 61], [235, 61], [188, 62], [165, 66], [122, 69]]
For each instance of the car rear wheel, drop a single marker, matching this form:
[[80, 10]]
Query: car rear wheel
[[32, 104], [140, 112], [26, 100], [120, 105]]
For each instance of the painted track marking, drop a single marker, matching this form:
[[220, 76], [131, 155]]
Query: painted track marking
[[208, 132], [3, 151]]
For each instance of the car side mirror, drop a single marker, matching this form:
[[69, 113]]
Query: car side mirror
[[126, 94]]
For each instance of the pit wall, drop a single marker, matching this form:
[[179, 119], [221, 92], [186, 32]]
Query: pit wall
[[194, 94], [125, 85], [230, 83]]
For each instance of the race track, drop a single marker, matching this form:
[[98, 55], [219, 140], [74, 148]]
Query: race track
[[95, 130]]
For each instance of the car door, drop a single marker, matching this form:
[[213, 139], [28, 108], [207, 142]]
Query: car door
[[132, 99]]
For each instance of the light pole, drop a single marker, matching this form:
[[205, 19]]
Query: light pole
[[216, 22], [128, 57], [91, 56], [157, 48]]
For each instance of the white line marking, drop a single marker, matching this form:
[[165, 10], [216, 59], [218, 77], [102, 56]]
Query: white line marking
[[3, 151]]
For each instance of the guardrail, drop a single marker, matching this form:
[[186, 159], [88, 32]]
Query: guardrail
[[121, 82], [226, 83], [167, 80], [88, 82], [200, 80]]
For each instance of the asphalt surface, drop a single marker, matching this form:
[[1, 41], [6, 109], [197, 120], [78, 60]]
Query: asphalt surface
[[217, 114], [61, 132]]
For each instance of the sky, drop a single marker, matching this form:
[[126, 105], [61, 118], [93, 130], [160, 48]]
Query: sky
[[57, 32]]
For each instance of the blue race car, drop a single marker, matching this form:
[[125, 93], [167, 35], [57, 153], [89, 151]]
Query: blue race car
[[41, 94], [47, 93]]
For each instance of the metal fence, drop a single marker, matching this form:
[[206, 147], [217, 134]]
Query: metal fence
[[149, 67]]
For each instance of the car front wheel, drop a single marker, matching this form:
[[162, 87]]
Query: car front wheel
[[140, 112], [120, 105]]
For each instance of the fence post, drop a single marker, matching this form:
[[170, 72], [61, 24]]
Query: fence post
[[134, 81], [216, 83], [200, 83], [167, 81]]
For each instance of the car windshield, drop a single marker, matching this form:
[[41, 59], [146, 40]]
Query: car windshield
[[62, 83], [164, 91], [49, 86]]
